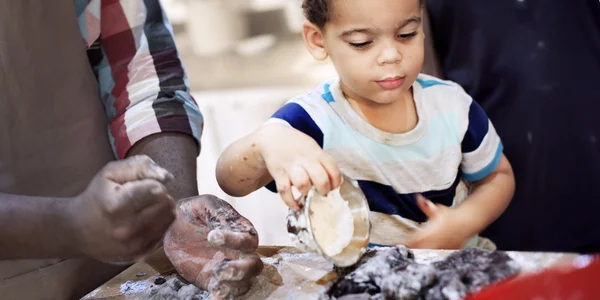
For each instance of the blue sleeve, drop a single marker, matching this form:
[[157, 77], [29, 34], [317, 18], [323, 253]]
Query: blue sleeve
[[481, 145], [297, 117]]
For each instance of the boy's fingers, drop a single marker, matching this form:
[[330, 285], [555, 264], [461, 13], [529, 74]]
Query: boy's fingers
[[284, 188], [300, 179], [333, 172], [319, 177], [426, 206]]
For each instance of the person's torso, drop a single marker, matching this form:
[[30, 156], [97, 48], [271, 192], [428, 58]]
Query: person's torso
[[534, 65], [53, 130], [392, 169]]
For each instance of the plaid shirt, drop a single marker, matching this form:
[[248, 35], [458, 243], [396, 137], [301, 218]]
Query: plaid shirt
[[142, 81]]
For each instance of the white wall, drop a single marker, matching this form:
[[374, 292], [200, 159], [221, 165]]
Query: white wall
[[228, 115], [177, 9]]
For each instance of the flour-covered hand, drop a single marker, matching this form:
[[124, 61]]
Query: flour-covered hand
[[212, 246], [295, 160], [124, 212]]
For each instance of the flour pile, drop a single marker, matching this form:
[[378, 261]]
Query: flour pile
[[175, 289], [392, 273], [332, 222]]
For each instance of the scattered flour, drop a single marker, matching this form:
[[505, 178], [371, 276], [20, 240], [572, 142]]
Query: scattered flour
[[533, 262], [332, 222], [134, 287], [94, 293], [175, 289], [296, 256], [269, 260], [427, 256]]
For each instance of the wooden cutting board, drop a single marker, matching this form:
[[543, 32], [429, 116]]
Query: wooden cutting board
[[288, 273]]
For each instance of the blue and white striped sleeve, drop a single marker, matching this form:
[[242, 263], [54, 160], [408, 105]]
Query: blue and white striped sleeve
[[481, 145], [295, 115]]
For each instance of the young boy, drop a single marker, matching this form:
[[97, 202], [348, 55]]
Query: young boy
[[402, 135]]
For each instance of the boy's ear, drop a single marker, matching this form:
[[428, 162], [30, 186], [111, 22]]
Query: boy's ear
[[314, 40]]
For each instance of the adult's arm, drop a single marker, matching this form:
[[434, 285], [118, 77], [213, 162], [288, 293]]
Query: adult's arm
[[144, 90], [175, 152], [149, 105], [35, 227]]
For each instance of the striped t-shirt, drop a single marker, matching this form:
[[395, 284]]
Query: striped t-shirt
[[453, 142]]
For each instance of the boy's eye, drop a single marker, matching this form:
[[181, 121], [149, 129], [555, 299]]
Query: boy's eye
[[360, 45], [407, 36]]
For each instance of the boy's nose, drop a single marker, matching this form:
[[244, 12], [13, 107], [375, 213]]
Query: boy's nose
[[389, 55]]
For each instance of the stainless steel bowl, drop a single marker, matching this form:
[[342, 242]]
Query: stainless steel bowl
[[301, 231]]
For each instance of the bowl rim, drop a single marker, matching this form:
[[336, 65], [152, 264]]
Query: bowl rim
[[306, 212]]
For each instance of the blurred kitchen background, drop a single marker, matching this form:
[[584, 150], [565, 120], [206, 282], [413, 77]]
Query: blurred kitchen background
[[244, 59]]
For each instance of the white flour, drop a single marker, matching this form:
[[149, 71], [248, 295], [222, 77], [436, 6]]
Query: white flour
[[134, 287], [332, 222]]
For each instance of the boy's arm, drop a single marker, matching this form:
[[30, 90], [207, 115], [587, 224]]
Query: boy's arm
[[287, 150], [490, 175], [241, 168], [489, 198], [450, 228], [491, 195], [487, 169]]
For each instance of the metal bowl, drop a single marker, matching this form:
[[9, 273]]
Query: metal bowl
[[301, 231]]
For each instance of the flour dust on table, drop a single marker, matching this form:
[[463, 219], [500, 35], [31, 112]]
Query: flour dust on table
[[393, 273], [176, 289]]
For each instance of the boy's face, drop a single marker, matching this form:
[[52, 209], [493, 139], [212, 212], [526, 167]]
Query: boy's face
[[376, 46]]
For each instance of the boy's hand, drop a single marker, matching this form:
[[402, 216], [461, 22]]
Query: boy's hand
[[444, 229], [295, 160], [124, 212]]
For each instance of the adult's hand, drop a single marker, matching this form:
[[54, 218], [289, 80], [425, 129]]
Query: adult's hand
[[212, 246], [124, 212]]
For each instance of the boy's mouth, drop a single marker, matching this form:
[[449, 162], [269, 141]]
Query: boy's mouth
[[391, 83]]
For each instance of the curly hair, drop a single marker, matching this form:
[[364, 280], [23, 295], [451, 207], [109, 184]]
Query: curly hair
[[318, 11]]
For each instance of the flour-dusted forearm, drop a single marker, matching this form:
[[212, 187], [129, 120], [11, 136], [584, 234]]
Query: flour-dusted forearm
[[241, 168], [280, 157]]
